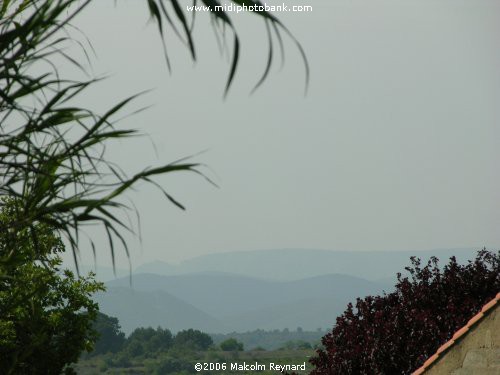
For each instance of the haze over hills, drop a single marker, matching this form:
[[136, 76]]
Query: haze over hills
[[241, 291], [295, 264], [225, 295], [289, 264], [218, 303], [309, 314], [152, 309]]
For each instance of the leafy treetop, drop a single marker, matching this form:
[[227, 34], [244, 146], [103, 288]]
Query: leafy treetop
[[395, 333], [46, 314]]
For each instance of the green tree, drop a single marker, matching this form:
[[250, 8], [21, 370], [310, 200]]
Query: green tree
[[148, 341], [46, 314], [192, 339], [110, 337], [231, 345]]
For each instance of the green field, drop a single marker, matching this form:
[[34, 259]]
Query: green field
[[184, 363]]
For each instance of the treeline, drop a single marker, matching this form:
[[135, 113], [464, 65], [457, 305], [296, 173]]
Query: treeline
[[159, 351], [144, 342], [148, 340]]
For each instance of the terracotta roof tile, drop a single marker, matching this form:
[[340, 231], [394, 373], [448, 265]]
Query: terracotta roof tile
[[489, 305], [458, 334], [431, 359], [474, 319], [445, 346]]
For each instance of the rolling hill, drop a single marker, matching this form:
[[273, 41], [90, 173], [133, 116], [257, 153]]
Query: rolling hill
[[230, 302], [152, 309], [268, 289]]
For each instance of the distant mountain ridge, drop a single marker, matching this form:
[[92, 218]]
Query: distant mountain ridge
[[218, 303], [154, 308], [295, 264], [244, 291], [225, 295]]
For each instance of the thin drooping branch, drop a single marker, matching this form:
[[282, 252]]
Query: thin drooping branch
[[53, 159]]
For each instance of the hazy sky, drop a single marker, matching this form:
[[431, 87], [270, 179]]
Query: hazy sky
[[395, 146]]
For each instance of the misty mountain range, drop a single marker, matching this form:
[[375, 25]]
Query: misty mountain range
[[241, 291]]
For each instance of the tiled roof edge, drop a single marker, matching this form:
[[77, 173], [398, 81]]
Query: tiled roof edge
[[458, 335]]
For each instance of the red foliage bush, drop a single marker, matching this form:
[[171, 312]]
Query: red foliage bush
[[396, 332]]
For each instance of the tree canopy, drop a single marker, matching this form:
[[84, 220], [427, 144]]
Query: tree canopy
[[148, 340], [396, 332], [46, 315], [231, 345], [193, 339], [110, 338]]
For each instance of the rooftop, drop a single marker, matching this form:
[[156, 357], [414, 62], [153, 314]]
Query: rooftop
[[459, 335]]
